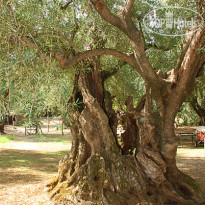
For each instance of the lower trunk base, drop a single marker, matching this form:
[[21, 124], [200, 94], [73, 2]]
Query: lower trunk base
[[123, 180]]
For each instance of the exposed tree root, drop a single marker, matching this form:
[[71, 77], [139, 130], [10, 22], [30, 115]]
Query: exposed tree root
[[96, 172], [124, 180]]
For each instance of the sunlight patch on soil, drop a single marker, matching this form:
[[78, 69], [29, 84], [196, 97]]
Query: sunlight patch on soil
[[191, 161], [22, 176], [37, 146], [30, 194], [27, 162], [189, 152]]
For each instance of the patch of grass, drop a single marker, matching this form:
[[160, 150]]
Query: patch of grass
[[6, 139], [59, 140], [59, 154], [40, 137], [35, 162]]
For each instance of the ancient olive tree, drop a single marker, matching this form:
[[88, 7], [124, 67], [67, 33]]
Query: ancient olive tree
[[98, 169]]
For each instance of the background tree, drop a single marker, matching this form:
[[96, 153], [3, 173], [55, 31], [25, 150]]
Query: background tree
[[197, 99]]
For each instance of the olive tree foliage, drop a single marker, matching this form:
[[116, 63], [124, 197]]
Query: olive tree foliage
[[27, 88], [192, 111], [31, 64], [130, 84], [52, 28], [27, 72]]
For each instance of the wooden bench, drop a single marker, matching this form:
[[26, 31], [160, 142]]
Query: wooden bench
[[31, 130], [188, 134]]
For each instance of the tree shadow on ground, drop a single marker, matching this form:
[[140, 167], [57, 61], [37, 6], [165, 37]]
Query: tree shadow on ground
[[44, 138], [194, 167], [23, 166], [18, 178]]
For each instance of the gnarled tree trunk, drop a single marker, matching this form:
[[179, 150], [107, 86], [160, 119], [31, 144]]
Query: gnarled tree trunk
[[99, 171]]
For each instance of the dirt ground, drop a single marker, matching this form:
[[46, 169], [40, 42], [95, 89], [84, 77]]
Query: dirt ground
[[26, 162]]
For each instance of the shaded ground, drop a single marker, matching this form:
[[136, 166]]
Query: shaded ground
[[192, 162], [26, 162], [23, 174]]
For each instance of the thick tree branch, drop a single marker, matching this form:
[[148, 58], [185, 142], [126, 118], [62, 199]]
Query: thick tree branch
[[197, 108], [65, 6], [108, 74], [128, 7], [192, 57], [183, 53], [185, 77], [71, 60], [104, 12], [122, 21], [141, 104], [125, 24]]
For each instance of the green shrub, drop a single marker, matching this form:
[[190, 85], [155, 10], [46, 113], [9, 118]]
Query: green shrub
[[6, 139]]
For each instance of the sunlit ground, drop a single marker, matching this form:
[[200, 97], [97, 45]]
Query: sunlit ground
[[192, 162], [26, 162]]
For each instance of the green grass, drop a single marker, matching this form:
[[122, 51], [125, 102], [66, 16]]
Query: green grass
[[59, 140], [59, 154], [39, 162], [6, 139]]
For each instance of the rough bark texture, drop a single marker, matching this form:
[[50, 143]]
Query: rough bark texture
[[2, 128], [130, 136], [99, 169], [96, 169]]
